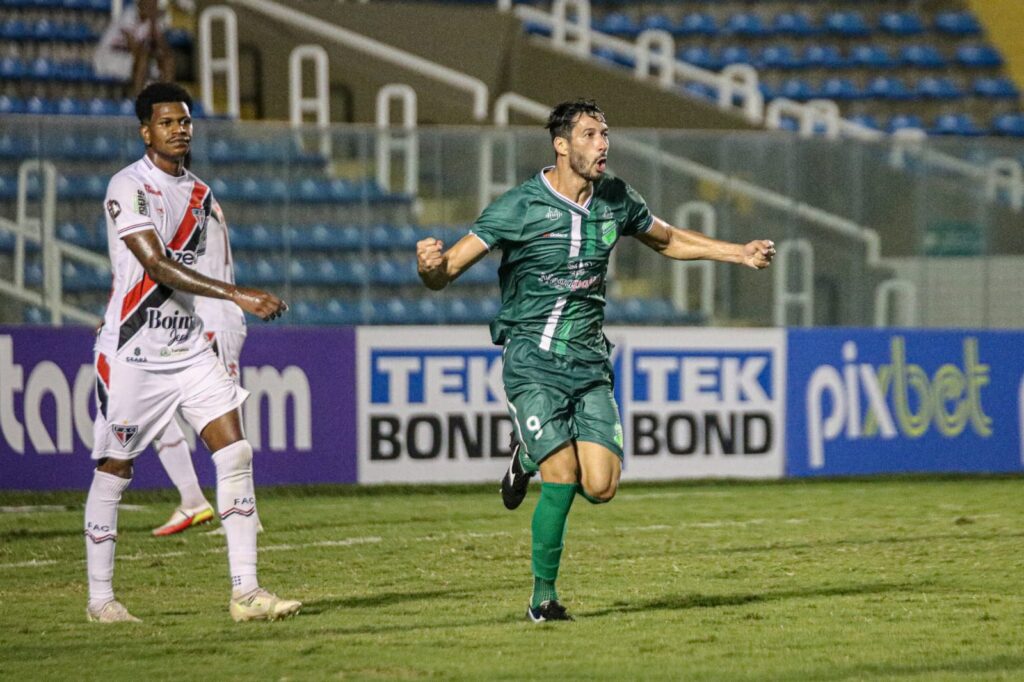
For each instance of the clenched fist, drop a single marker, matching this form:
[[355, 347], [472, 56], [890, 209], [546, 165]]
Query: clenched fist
[[759, 253]]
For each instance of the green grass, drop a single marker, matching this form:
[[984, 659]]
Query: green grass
[[883, 579]]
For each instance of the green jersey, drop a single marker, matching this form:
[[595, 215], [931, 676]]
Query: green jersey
[[555, 261]]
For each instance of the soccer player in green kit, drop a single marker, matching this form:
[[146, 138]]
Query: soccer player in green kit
[[556, 232]]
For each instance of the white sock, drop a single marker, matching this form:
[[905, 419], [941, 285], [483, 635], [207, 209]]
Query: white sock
[[101, 534], [236, 502], [177, 460]]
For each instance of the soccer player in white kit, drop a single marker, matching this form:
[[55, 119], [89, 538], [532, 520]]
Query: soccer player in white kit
[[151, 358], [224, 327]]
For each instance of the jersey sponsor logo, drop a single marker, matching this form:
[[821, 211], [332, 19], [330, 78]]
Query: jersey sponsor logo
[[114, 209], [566, 284], [125, 433], [140, 204], [152, 190], [177, 325], [552, 235]]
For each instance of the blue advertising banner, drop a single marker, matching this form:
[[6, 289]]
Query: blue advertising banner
[[894, 401], [300, 416]]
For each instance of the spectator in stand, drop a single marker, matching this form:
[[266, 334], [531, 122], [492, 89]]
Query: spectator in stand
[[134, 48]]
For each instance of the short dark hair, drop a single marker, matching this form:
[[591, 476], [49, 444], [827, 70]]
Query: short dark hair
[[159, 93], [564, 115]]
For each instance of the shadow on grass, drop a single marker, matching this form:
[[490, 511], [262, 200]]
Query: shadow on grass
[[683, 602], [379, 599]]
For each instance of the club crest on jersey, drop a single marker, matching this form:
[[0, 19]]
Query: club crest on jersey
[[125, 433], [553, 213], [141, 203], [114, 209], [608, 232]]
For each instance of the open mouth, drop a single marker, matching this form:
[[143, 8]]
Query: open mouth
[[601, 164]]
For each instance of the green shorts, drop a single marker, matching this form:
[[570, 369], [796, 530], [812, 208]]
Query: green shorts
[[553, 399]]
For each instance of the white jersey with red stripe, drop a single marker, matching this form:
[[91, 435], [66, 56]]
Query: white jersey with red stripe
[[148, 323], [217, 314]]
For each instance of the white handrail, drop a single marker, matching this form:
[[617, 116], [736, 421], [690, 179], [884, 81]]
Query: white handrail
[[406, 60], [708, 226], [318, 104], [741, 80], [655, 46], [581, 27], [1005, 174], [902, 291], [406, 143], [504, 105], [227, 65], [802, 297]]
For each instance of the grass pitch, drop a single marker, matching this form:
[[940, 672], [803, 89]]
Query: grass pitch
[[883, 579]]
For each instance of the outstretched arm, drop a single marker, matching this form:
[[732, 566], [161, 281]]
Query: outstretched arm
[[146, 247], [679, 244], [438, 269]]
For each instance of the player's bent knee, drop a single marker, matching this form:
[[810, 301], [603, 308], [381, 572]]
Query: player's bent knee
[[233, 459], [600, 493]]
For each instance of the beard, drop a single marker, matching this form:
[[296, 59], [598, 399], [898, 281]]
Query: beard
[[580, 166]]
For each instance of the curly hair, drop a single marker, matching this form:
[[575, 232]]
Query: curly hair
[[159, 93]]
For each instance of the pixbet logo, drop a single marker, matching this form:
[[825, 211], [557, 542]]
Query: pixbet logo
[[689, 402], [437, 403], [900, 399]]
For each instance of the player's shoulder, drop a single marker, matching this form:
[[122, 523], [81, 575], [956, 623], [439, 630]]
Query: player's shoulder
[[132, 174]]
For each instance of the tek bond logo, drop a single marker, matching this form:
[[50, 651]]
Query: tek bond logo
[[900, 397], [690, 402], [437, 403]]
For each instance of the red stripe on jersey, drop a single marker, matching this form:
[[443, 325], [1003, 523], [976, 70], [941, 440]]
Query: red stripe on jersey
[[135, 295], [103, 369], [188, 221]]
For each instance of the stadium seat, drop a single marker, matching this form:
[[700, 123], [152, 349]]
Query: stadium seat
[[901, 24], [735, 54], [745, 25], [780, 57], [958, 24], [871, 56], [900, 121], [70, 106], [955, 124], [847, 24], [12, 105], [701, 90], [866, 120], [656, 22], [922, 56], [698, 55], [943, 87], [697, 24], [614, 57], [1009, 124], [796, 89], [980, 56], [995, 88], [839, 88], [617, 24], [823, 56], [16, 29], [888, 87], [793, 24]]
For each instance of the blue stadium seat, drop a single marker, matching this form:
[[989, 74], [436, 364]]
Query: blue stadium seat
[[42, 69], [955, 124], [260, 237], [16, 29], [71, 106], [76, 234], [839, 88], [12, 105], [904, 121], [657, 22], [995, 88], [780, 57], [36, 315], [746, 25], [942, 87], [698, 55], [178, 38], [901, 24], [531, 28], [958, 24], [40, 105], [866, 120], [701, 90], [614, 57], [922, 56], [823, 56], [101, 107], [981, 56], [697, 24], [617, 24], [794, 24], [847, 24], [1009, 124], [888, 87], [871, 56], [735, 54], [796, 89]]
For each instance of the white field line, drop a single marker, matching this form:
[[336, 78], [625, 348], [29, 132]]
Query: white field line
[[40, 508]]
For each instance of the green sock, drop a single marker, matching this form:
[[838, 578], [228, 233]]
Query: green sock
[[549, 520], [588, 498]]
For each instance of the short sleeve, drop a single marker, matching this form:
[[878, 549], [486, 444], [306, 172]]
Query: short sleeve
[[638, 216], [500, 222], [127, 207]]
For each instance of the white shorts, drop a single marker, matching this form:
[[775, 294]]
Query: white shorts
[[228, 347], [134, 405]]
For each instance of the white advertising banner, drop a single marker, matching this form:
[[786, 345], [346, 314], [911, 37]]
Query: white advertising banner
[[703, 403], [695, 403], [431, 405]]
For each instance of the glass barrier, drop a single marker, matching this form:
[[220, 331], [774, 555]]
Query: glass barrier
[[868, 232]]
